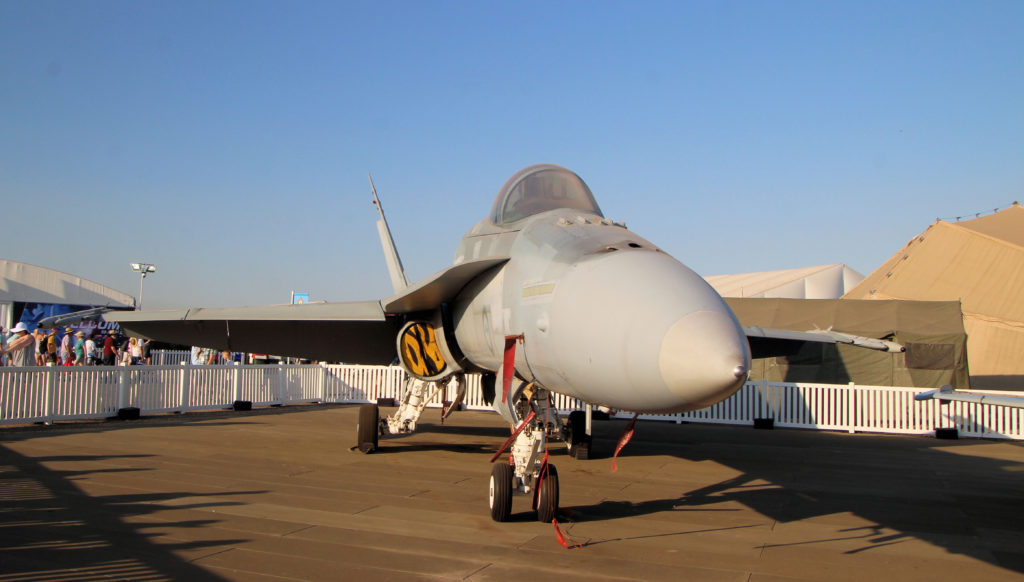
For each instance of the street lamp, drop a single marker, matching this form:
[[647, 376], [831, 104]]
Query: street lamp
[[144, 269]]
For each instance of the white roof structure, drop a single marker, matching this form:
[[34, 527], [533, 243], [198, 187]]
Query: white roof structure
[[21, 282], [821, 282]]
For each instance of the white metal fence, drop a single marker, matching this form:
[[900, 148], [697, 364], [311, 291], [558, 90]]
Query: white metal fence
[[29, 395]]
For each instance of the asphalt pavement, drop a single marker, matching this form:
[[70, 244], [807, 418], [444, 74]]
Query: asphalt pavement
[[278, 494]]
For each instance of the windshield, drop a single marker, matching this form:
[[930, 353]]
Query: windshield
[[541, 188]]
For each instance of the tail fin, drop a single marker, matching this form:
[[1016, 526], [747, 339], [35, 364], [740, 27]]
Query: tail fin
[[398, 280]]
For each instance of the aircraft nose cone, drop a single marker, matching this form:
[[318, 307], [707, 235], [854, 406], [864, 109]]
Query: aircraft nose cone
[[639, 331], [702, 358]]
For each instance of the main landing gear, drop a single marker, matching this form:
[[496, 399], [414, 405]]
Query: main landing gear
[[416, 396], [579, 434]]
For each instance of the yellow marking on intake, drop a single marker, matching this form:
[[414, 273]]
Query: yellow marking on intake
[[420, 352]]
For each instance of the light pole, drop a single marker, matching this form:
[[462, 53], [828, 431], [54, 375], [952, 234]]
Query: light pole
[[144, 269]]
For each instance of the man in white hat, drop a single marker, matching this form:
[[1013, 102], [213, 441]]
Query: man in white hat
[[21, 346]]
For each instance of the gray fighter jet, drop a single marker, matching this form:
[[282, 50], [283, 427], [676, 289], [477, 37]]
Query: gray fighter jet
[[545, 295]]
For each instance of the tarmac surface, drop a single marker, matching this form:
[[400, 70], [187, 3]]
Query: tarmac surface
[[278, 495]]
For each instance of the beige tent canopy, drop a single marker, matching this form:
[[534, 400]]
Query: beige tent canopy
[[820, 282], [979, 263], [931, 331]]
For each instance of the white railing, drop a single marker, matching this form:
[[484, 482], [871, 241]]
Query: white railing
[[50, 394], [169, 357]]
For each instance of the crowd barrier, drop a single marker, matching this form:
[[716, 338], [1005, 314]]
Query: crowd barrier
[[49, 394]]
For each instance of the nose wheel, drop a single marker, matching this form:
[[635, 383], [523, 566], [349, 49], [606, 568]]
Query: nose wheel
[[500, 492], [546, 501]]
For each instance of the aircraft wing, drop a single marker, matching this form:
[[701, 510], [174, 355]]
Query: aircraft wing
[[351, 332], [946, 394], [766, 343], [362, 332]]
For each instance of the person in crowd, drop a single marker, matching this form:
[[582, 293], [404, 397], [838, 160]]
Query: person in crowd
[[66, 350], [134, 352], [90, 351], [110, 349], [21, 346], [147, 357], [51, 347], [40, 346], [79, 348]]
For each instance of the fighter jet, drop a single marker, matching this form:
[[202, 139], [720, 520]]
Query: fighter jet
[[545, 296]]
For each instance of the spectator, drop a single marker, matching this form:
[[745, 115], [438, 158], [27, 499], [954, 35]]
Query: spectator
[[134, 352], [109, 349], [21, 346], [40, 347], [51, 348], [79, 348], [91, 355], [66, 352]]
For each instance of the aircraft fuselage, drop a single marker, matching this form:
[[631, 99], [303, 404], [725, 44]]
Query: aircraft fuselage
[[605, 315]]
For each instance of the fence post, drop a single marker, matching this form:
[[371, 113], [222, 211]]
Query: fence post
[[323, 383], [51, 389], [279, 386], [122, 388], [237, 382], [186, 385], [851, 421]]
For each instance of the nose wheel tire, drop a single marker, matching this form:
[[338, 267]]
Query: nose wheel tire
[[367, 430], [500, 492], [547, 496]]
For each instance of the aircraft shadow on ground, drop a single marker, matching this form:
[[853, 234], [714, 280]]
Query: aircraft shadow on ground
[[906, 487], [53, 531]]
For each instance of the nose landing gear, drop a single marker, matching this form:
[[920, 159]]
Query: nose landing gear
[[528, 472]]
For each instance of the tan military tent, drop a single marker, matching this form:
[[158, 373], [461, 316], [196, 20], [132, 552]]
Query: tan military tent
[[932, 332], [980, 263]]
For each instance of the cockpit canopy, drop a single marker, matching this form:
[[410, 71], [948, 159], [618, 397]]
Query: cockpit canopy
[[540, 188]]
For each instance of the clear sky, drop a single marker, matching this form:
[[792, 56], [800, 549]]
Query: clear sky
[[229, 142]]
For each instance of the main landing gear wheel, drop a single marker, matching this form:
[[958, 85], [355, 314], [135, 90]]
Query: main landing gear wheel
[[500, 492], [579, 440], [368, 428], [547, 496]]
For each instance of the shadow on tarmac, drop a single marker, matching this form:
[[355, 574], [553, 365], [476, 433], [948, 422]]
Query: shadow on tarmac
[[50, 530], [908, 487]]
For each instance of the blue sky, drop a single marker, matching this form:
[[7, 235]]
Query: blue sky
[[229, 142]]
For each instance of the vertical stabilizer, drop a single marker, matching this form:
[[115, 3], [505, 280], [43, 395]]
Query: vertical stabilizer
[[398, 280]]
